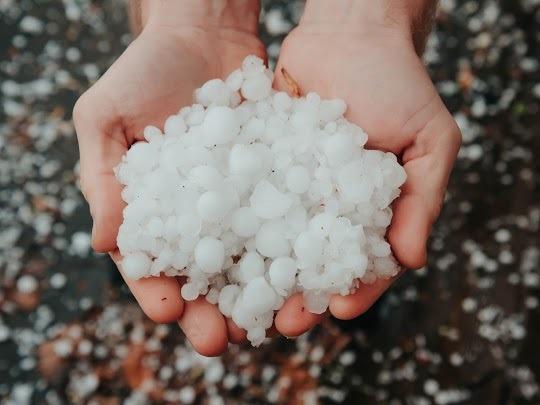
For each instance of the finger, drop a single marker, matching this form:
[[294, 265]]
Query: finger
[[159, 297], [350, 306], [428, 163], [101, 146], [204, 327], [236, 334], [293, 318]]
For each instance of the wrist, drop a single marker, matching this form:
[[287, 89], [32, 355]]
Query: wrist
[[237, 15], [408, 19]]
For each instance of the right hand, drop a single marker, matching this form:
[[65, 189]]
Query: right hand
[[151, 80]]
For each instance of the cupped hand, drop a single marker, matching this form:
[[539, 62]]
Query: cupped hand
[[153, 78], [390, 95]]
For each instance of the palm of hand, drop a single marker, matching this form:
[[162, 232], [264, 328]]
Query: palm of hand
[[390, 95]]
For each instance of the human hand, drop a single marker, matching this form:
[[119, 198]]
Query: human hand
[[182, 45], [363, 52]]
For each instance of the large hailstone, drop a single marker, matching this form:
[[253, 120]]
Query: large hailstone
[[252, 196]]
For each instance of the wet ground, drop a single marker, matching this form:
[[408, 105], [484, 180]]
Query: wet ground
[[462, 330]]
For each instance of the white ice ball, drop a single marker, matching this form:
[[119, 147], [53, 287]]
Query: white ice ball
[[245, 160], [244, 222], [251, 266], [175, 126], [220, 126], [271, 240], [257, 87], [209, 254], [268, 202], [136, 265], [298, 179], [259, 295], [211, 206], [214, 91], [227, 298], [282, 272]]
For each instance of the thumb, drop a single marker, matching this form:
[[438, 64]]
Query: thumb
[[101, 146], [428, 163]]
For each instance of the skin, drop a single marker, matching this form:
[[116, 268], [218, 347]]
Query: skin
[[184, 44]]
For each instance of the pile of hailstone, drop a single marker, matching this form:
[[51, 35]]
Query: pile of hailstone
[[253, 196]]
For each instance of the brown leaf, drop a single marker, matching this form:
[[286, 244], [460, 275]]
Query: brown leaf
[[294, 89]]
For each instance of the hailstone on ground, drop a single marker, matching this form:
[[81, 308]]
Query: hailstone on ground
[[253, 195]]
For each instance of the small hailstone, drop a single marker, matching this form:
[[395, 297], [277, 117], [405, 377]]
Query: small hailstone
[[257, 87], [245, 160], [234, 80], [189, 291], [175, 126], [219, 126], [210, 206], [250, 267], [252, 195], [271, 240], [187, 395], [27, 284], [256, 335], [152, 133], [136, 265], [58, 280], [209, 255], [282, 273], [227, 298], [260, 295], [205, 176], [268, 202], [244, 222], [252, 65], [63, 347], [281, 101], [214, 91]]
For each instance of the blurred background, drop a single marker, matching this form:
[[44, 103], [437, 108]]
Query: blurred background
[[462, 330]]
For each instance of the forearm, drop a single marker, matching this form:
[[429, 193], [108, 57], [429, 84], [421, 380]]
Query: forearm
[[234, 14], [409, 17]]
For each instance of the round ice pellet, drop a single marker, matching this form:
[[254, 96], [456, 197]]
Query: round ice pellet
[[234, 80], [189, 291], [227, 298], [244, 160], [244, 222], [281, 101], [260, 295], [211, 206], [271, 240], [256, 335], [205, 176], [308, 247], [151, 133], [220, 126], [282, 272], [136, 265], [256, 87], [175, 126], [297, 179], [251, 266], [155, 227], [209, 254], [268, 202], [214, 91]]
